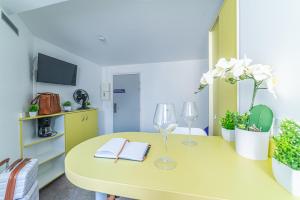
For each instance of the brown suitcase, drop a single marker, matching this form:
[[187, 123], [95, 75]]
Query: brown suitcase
[[49, 103]]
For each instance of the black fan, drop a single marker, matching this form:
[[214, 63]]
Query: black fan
[[81, 97]]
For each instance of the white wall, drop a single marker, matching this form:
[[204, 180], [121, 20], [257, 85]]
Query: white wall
[[88, 75], [15, 84], [270, 34], [173, 82]]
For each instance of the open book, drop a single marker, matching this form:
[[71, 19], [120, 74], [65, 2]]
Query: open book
[[123, 149]]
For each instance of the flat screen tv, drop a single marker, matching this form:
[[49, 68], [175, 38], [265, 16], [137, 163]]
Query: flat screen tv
[[52, 70]]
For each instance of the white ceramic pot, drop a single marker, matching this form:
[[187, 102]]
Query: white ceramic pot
[[252, 145], [286, 177], [67, 108], [32, 114], [228, 135]]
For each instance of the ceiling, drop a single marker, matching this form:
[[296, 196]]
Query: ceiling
[[135, 31]]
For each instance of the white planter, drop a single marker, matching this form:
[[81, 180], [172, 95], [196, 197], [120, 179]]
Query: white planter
[[67, 108], [32, 114], [286, 177], [252, 145], [228, 135]]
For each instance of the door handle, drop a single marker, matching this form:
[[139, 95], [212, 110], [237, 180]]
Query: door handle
[[115, 107]]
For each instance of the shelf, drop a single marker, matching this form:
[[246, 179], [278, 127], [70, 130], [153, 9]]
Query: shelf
[[45, 157], [44, 179], [38, 140], [54, 115], [41, 116]]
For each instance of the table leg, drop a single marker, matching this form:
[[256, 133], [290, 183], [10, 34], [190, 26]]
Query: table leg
[[100, 196]]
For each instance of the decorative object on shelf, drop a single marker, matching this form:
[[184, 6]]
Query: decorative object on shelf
[[286, 162], [44, 127], [67, 106], [253, 133], [189, 114], [238, 70], [49, 103], [228, 123], [81, 97], [88, 104], [33, 110], [165, 121]]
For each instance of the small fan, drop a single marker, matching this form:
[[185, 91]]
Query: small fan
[[81, 97]]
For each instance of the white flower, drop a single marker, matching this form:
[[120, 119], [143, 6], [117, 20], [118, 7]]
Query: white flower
[[246, 61], [260, 72], [207, 78], [238, 69], [271, 83], [223, 66]]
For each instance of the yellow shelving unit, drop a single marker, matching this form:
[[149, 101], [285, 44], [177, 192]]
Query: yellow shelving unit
[[72, 128]]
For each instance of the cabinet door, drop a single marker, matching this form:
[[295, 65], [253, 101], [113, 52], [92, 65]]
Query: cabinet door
[[79, 127], [74, 127], [91, 124]]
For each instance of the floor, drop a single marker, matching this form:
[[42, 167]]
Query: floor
[[62, 189]]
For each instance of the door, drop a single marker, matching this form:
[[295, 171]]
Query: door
[[223, 43], [126, 103]]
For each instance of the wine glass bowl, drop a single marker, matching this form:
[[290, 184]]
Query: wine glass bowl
[[189, 114], [165, 121]]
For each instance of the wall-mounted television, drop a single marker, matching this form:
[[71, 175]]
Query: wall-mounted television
[[52, 70]]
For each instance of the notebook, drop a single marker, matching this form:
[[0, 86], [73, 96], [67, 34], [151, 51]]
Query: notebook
[[123, 149]]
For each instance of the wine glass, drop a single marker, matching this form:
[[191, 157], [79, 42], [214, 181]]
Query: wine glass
[[189, 114], [165, 121]]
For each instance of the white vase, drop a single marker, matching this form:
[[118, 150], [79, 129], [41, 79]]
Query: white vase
[[252, 145], [228, 135], [67, 108], [32, 114], [286, 177]]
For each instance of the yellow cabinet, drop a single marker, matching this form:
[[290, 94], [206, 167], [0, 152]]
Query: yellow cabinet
[[80, 126]]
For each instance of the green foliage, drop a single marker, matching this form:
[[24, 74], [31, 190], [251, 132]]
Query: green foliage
[[242, 121], [87, 103], [67, 103], [229, 120], [261, 118], [33, 108], [287, 144]]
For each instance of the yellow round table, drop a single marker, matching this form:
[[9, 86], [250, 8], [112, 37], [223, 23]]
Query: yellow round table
[[210, 170]]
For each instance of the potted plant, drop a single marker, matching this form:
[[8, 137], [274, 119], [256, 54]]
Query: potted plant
[[67, 106], [33, 110], [228, 126], [253, 133], [286, 158], [87, 104], [251, 139]]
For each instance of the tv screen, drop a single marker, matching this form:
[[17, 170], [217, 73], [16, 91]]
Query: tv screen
[[52, 70]]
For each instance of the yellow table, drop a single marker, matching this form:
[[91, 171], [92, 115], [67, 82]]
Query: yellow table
[[210, 170]]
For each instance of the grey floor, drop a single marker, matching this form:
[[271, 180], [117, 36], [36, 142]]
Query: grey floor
[[62, 189]]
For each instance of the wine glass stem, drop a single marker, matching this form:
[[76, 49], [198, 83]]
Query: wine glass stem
[[190, 130]]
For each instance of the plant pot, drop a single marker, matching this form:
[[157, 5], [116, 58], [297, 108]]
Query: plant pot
[[228, 135], [33, 114], [286, 177], [252, 145], [67, 108]]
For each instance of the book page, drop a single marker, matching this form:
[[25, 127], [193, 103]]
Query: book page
[[134, 151], [111, 148]]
